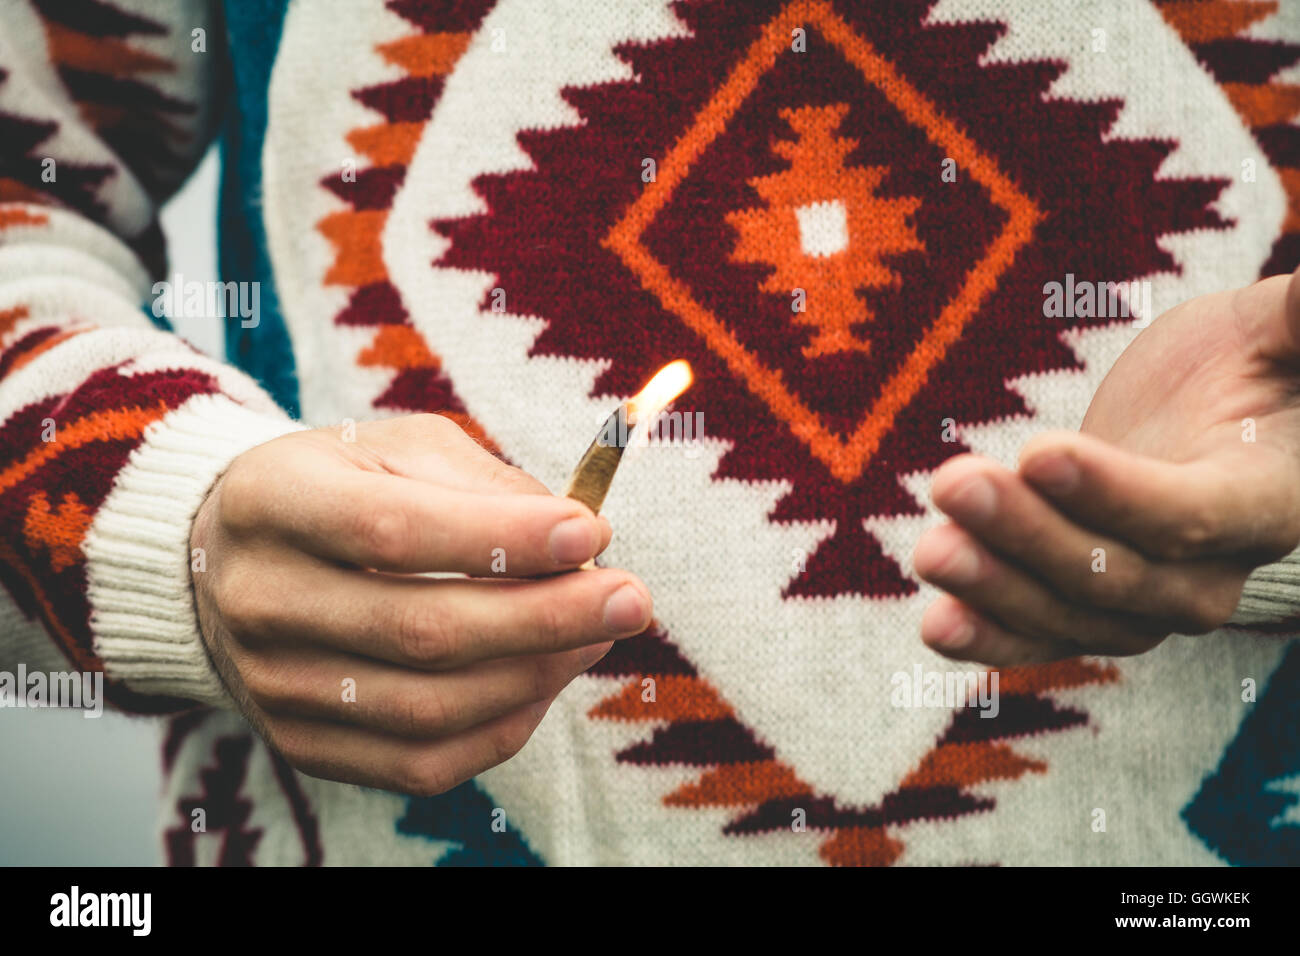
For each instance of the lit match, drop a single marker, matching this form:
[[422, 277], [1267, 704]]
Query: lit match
[[591, 479]]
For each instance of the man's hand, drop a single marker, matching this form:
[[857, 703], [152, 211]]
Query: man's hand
[[312, 548], [1186, 476]]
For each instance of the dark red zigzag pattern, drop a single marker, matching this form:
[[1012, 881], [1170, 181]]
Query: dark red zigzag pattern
[[1105, 211], [405, 105], [146, 127], [111, 408], [542, 224], [1246, 68], [22, 165]]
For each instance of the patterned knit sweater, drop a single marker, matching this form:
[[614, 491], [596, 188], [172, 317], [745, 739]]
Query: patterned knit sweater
[[512, 212]]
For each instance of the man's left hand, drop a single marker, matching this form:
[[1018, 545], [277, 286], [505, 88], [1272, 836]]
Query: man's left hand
[[1184, 478]]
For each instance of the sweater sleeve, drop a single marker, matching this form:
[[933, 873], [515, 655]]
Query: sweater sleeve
[[1271, 598], [111, 431]]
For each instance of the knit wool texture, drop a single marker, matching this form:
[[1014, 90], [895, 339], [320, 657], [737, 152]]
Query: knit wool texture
[[844, 214]]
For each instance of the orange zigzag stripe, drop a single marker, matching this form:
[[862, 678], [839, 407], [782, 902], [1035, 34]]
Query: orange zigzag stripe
[[357, 234], [110, 57], [27, 355], [744, 786], [98, 54], [10, 318], [111, 425], [18, 216], [683, 698], [358, 247], [57, 531], [426, 54], [1204, 21]]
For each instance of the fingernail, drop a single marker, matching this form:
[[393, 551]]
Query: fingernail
[[573, 541], [962, 566], [1057, 474], [974, 500], [626, 610], [959, 634], [946, 626]]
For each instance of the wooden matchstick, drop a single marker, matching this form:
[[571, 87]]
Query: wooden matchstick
[[595, 472]]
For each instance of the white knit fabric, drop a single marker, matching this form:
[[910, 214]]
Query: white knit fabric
[[138, 551], [807, 677]]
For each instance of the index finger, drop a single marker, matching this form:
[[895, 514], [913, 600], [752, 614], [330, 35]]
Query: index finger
[[391, 523], [1168, 510], [439, 624]]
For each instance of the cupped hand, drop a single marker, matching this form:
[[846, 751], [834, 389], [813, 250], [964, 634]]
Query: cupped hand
[[1184, 477]]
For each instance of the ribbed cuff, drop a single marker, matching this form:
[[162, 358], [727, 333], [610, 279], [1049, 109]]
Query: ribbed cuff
[[137, 549], [1271, 595]]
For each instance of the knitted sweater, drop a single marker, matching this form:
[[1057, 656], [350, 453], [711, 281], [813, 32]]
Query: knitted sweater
[[513, 212]]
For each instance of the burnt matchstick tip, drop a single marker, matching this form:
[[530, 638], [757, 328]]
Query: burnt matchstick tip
[[595, 472]]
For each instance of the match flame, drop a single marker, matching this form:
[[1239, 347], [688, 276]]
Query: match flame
[[667, 383]]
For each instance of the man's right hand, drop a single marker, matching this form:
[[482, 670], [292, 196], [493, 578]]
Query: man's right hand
[[314, 549]]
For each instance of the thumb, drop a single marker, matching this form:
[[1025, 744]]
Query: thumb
[[1292, 305], [437, 450], [1270, 308]]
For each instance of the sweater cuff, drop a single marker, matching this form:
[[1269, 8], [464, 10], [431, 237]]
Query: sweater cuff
[[1271, 597], [143, 616]]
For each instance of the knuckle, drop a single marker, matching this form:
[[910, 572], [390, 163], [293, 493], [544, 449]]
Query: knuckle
[[550, 624], [1195, 534], [410, 715], [544, 679], [511, 480], [494, 474], [509, 740], [240, 597], [385, 534], [429, 427], [424, 777], [294, 745], [1208, 610], [268, 685], [240, 494], [439, 424], [1119, 586], [430, 711], [422, 637]]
